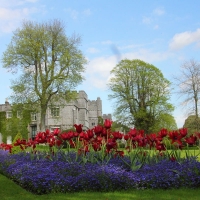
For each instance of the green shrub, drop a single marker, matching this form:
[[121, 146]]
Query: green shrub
[[68, 130], [167, 143], [17, 149]]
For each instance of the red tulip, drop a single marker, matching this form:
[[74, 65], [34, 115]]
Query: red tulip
[[90, 133], [6, 147], [96, 146], [191, 140], [58, 143], [72, 143], [117, 135], [160, 146], [98, 129], [56, 131], [78, 128], [132, 132], [172, 158], [67, 136], [32, 143], [111, 145], [107, 123], [151, 139], [126, 137], [183, 132], [119, 153], [198, 135], [163, 132], [175, 137]]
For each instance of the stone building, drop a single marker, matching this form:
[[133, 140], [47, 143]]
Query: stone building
[[63, 115], [6, 108]]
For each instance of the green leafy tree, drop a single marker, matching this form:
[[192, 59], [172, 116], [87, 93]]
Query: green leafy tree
[[50, 63], [141, 95], [191, 124], [117, 126], [100, 120], [167, 121]]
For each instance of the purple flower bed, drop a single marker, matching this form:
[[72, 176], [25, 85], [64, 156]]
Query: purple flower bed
[[40, 175]]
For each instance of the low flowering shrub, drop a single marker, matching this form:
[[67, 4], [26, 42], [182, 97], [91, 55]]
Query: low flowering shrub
[[40, 175]]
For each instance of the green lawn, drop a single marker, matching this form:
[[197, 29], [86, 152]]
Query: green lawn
[[9, 190]]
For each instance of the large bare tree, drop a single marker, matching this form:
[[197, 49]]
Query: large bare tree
[[188, 82], [49, 62]]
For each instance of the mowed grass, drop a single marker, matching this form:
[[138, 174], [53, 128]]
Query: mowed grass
[[9, 190]]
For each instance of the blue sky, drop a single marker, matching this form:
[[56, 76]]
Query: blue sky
[[164, 33]]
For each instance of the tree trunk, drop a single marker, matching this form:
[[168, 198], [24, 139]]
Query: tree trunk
[[196, 114], [42, 118]]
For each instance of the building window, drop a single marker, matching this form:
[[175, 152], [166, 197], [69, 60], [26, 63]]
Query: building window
[[55, 112], [19, 114], [93, 123], [33, 116], [33, 131], [54, 128], [9, 114]]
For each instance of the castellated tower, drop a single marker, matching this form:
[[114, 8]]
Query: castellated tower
[[95, 111], [83, 113]]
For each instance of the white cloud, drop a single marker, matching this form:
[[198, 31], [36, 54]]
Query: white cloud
[[92, 50], [180, 40], [12, 13], [180, 120], [180, 117], [87, 12], [153, 17], [146, 20], [101, 66], [106, 42], [132, 46], [75, 14], [147, 55], [159, 11], [11, 18], [156, 26], [13, 3], [98, 69]]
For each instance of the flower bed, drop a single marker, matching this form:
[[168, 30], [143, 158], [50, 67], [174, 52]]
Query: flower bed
[[97, 164], [41, 175]]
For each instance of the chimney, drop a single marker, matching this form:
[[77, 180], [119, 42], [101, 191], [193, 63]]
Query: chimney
[[6, 102]]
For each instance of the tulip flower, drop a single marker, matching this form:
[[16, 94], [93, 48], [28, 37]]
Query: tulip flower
[[163, 132], [126, 137], [56, 132], [98, 130], [160, 146], [172, 158], [183, 132], [191, 140], [119, 153], [78, 128], [175, 136], [107, 123]]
